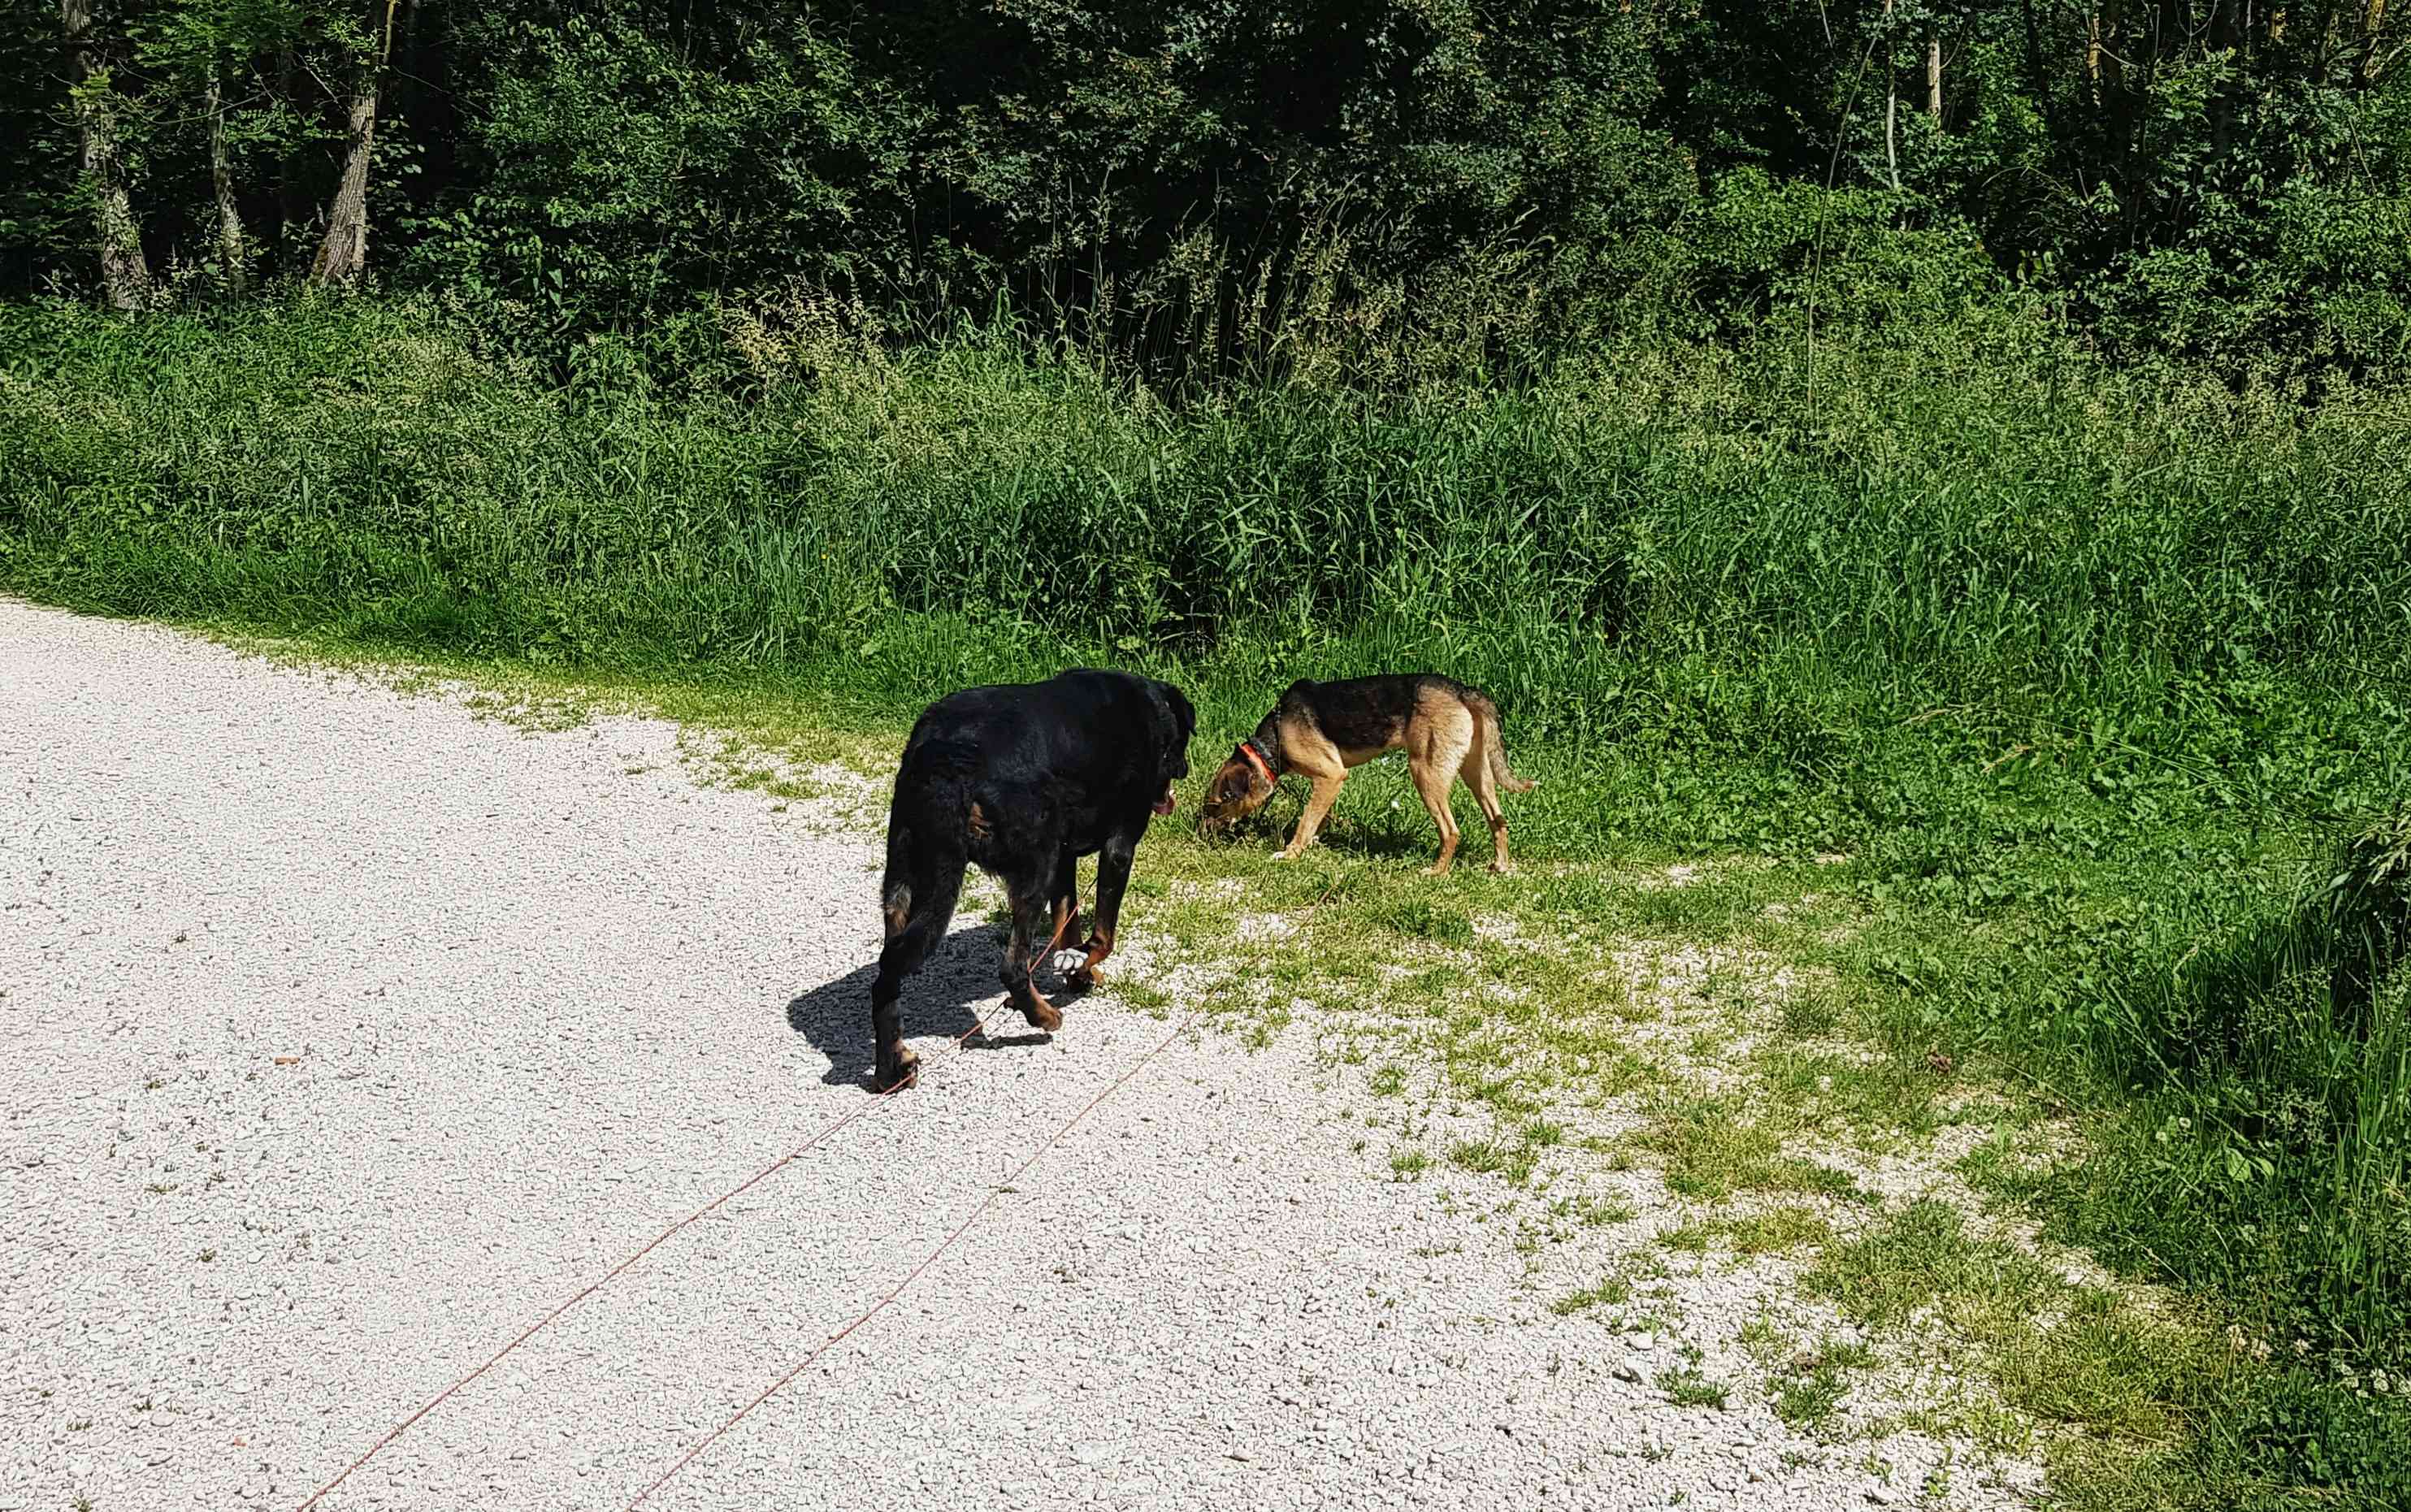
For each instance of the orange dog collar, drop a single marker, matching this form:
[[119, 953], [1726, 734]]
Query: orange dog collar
[[1255, 758]]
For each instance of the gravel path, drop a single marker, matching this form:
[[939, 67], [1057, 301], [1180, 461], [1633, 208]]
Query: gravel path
[[535, 1007]]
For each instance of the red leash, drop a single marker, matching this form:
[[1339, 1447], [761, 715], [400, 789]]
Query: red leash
[[880, 1305], [774, 1167]]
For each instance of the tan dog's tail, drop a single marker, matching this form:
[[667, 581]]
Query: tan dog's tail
[[1495, 741]]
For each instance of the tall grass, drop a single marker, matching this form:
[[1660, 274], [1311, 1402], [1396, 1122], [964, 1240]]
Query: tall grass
[[1663, 529], [2266, 1154], [2289, 1034], [2078, 664]]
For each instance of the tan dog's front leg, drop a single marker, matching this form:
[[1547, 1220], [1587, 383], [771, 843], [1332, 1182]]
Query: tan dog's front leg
[[1318, 803]]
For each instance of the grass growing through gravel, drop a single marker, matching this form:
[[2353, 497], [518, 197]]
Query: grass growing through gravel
[[1582, 988], [1808, 1385], [2137, 1398], [1536, 1005], [1769, 1232], [1685, 1386], [1972, 750]]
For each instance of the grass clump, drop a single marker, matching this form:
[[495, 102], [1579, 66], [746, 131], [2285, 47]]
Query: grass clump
[[1615, 1288], [1512, 1163], [1810, 1388], [1924, 1258], [1686, 1387], [1609, 1291], [1712, 1150], [1769, 1232]]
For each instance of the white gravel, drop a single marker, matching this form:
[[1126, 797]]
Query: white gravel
[[541, 1006]]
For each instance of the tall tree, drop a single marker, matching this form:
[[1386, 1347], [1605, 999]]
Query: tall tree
[[2374, 59], [1892, 105], [233, 252], [124, 273], [343, 254]]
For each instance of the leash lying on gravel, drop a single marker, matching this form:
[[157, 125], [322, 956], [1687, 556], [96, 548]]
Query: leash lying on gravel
[[898, 1290], [773, 1168]]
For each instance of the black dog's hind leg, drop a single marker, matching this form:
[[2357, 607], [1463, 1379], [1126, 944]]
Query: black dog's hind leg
[[1022, 955], [918, 912], [1064, 901], [1113, 876]]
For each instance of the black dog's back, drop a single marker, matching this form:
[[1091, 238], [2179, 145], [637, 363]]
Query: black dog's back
[[1098, 736]]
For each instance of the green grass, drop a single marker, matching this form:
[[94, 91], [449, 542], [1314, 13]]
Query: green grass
[[1769, 1232], [1714, 1148], [2021, 710], [1685, 1386], [1609, 1291], [1811, 1385], [2151, 1412]]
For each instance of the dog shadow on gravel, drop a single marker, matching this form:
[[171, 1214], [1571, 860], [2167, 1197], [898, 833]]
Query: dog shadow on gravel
[[938, 1000]]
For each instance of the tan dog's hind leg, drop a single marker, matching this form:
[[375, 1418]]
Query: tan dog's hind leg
[[1448, 735], [1479, 774], [1433, 787]]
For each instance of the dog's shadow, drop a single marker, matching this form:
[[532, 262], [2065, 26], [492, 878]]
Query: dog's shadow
[[835, 1017]]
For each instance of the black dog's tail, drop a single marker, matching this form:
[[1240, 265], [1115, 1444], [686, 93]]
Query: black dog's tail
[[928, 844]]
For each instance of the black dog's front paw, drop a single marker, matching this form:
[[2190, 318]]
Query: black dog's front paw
[[1087, 977], [1034, 1007], [900, 1070]]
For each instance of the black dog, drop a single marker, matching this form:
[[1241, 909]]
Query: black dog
[[1022, 781]]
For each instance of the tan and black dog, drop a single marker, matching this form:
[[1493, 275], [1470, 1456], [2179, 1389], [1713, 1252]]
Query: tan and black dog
[[1320, 730]]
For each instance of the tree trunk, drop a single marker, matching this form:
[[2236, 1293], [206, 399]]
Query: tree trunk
[[2093, 57], [292, 204], [1892, 107], [2112, 80], [123, 274], [343, 253], [1934, 76], [232, 253], [2035, 81]]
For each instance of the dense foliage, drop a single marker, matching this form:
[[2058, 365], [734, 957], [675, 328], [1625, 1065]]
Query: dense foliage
[[2221, 178]]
